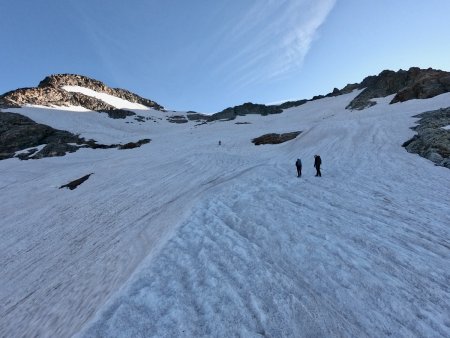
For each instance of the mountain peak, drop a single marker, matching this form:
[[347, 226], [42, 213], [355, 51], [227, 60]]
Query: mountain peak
[[50, 91]]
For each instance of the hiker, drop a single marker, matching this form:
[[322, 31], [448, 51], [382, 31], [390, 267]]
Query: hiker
[[220, 143], [317, 163], [298, 164]]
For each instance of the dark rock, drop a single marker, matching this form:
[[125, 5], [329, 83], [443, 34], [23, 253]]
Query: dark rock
[[197, 117], [317, 97], [242, 123], [290, 104], [117, 113], [245, 109], [55, 149], [177, 119], [431, 140], [27, 154], [141, 118], [18, 132], [94, 145], [132, 145], [275, 138], [74, 184], [426, 85]]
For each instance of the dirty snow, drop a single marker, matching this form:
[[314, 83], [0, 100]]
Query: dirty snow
[[182, 237]]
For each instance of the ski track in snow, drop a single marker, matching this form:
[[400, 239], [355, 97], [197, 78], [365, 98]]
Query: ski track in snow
[[226, 241]]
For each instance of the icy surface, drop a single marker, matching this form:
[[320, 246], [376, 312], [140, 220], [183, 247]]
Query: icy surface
[[447, 127], [182, 237]]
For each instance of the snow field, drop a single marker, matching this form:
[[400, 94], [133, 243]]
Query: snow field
[[181, 237], [362, 251]]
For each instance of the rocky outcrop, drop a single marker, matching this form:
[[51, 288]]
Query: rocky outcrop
[[18, 133], [75, 183], [275, 138], [426, 85], [245, 109], [177, 119], [131, 145], [117, 113], [432, 141], [414, 83], [50, 93]]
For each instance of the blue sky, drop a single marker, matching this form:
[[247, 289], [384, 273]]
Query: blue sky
[[207, 55]]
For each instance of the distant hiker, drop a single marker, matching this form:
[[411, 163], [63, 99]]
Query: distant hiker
[[298, 164], [317, 163], [220, 143]]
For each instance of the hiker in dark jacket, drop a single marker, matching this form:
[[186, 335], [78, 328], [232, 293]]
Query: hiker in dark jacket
[[317, 163], [298, 164]]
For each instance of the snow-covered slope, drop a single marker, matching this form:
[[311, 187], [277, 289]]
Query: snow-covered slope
[[110, 99], [182, 237]]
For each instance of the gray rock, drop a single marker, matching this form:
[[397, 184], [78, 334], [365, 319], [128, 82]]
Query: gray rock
[[434, 157], [431, 140]]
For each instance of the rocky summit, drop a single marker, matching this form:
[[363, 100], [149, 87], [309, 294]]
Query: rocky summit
[[50, 92]]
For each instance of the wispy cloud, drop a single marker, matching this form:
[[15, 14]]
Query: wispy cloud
[[271, 38]]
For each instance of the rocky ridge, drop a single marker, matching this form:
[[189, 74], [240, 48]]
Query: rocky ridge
[[414, 83]]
